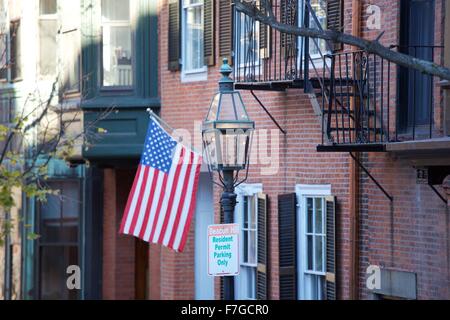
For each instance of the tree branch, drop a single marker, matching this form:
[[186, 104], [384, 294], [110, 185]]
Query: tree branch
[[374, 47]]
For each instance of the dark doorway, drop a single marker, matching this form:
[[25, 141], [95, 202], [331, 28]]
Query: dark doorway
[[415, 90]]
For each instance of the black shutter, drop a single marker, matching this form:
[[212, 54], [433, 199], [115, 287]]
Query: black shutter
[[330, 286], [287, 234], [226, 30], [174, 35], [335, 19], [261, 271], [288, 15], [264, 37], [208, 35]]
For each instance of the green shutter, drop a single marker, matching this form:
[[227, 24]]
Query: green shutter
[[261, 271], [287, 233], [330, 286], [226, 29], [174, 35], [208, 33], [335, 19]]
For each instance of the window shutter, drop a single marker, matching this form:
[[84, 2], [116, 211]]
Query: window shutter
[[261, 271], [208, 33], [174, 35], [288, 15], [226, 30], [287, 233], [335, 19], [264, 38], [330, 286]]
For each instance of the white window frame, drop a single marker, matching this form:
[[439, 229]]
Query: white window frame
[[303, 192], [318, 61], [200, 74], [119, 23], [241, 280]]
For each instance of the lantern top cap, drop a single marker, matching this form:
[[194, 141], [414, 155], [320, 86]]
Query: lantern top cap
[[226, 84]]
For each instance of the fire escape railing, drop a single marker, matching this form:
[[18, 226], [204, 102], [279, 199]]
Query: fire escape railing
[[364, 99]]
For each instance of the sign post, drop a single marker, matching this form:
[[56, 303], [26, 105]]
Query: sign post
[[223, 249]]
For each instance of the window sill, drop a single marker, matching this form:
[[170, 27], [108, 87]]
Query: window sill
[[195, 75]]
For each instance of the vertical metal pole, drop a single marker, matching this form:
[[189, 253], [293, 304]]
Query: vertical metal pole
[[8, 261], [228, 202], [306, 49]]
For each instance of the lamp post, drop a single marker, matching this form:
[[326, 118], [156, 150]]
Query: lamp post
[[227, 133]]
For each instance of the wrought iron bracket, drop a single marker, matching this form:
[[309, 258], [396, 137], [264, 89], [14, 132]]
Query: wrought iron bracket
[[437, 193], [391, 198], [267, 111]]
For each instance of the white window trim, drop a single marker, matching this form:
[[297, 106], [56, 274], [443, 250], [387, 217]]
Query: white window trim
[[241, 191], [302, 191], [200, 74]]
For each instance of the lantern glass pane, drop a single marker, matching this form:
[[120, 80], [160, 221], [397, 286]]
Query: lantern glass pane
[[212, 114], [211, 140], [226, 108], [241, 114]]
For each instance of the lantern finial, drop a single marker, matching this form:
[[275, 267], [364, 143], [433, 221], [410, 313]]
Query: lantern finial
[[226, 83]]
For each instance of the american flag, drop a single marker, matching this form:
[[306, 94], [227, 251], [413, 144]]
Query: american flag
[[162, 200]]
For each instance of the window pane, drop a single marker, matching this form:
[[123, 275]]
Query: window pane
[[53, 277], [71, 60], [245, 213], [318, 215], [320, 8], [70, 211], [252, 247], [319, 253], [48, 49], [3, 61], [194, 38], [253, 212], [309, 215], [245, 249], [15, 59], [117, 55], [249, 40], [51, 217], [309, 240], [47, 6], [118, 10]]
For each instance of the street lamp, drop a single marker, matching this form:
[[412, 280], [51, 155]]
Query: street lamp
[[227, 133]]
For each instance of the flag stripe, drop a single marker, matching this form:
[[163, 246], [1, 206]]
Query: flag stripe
[[165, 194], [145, 202], [153, 223], [172, 193], [188, 220], [130, 197], [179, 199], [150, 204], [140, 198], [134, 200]]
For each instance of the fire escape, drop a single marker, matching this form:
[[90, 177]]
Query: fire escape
[[356, 93]]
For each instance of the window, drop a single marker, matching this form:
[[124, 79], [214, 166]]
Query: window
[[117, 43], [15, 60], [312, 241], [247, 38], [247, 217], [318, 45], [59, 221], [71, 48], [193, 56], [48, 28]]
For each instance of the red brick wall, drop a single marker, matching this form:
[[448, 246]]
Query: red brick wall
[[118, 250], [185, 103], [411, 233]]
